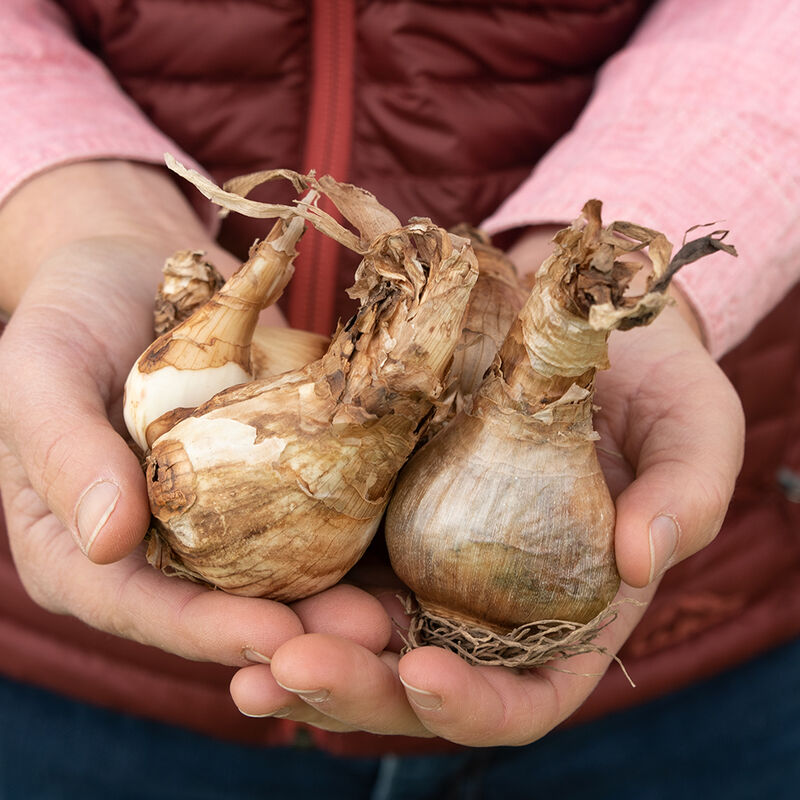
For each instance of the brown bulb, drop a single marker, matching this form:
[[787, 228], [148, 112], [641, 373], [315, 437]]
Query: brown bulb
[[503, 521]]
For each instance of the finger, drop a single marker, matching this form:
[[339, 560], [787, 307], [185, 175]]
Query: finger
[[348, 612], [477, 706], [394, 605], [256, 694], [686, 471], [346, 682], [344, 611], [54, 417], [495, 706], [131, 599]]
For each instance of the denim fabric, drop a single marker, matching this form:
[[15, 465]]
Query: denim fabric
[[736, 736]]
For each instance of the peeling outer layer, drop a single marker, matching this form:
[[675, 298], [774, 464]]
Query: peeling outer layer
[[647, 307], [173, 485], [589, 268], [560, 338], [287, 478], [357, 205], [493, 305]]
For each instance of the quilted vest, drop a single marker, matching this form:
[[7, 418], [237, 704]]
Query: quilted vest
[[440, 108]]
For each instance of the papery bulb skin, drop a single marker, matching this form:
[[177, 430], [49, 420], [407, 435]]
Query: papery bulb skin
[[276, 487], [496, 529], [493, 305], [503, 523], [277, 502], [210, 350]]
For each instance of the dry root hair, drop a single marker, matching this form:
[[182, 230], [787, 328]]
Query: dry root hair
[[535, 644]]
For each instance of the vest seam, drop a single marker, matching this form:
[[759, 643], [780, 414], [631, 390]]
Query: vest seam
[[429, 176], [589, 72], [543, 7], [285, 6], [201, 81]]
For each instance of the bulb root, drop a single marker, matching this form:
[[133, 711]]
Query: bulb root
[[528, 646]]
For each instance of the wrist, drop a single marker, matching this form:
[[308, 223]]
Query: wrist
[[95, 200]]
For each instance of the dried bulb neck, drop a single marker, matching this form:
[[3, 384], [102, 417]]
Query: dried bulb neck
[[559, 341], [543, 376], [227, 322], [220, 330], [413, 288], [518, 361], [210, 350], [264, 275]]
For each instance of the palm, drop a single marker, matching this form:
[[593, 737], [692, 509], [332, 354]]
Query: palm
[[60, 438], [670, 420], [667, 417]]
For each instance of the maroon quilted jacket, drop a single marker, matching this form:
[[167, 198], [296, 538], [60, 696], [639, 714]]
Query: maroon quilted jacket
[[440, 108]]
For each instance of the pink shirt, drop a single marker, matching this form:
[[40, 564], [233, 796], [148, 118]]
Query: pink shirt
[[696, 120]]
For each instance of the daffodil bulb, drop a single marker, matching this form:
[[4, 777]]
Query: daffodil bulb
[[275, 487]]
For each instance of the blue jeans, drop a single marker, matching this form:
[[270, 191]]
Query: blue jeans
[[736, 737]]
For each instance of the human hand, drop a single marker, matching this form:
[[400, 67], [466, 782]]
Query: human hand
[[671, 431], [80, 279]]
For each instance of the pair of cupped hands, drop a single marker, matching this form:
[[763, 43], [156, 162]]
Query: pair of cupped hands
[[81, 257]]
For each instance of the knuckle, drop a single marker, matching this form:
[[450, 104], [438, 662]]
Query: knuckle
[[33, 562], [120, 617], [38, 588], [715, 501], [53, 460]]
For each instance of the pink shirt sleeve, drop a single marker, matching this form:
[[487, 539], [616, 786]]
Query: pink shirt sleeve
[[696, 120], [59, 103]]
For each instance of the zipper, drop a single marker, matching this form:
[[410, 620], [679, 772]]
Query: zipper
[[327, 150]]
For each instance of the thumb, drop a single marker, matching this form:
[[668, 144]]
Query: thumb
[[686, 472], [53, 418]]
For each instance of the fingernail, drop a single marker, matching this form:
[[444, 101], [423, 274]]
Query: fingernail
[[279, 714], [254, 656], [309, 695], [419, 697], [664, 534], [94, 508]]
